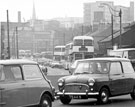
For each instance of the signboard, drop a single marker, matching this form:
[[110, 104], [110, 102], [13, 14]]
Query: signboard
[[83, 49]]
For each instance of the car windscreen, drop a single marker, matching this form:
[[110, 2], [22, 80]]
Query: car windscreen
[[92, 67]]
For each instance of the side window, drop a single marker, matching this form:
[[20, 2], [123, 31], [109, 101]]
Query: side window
[[12, 73], [115, 68], [8, 73], [32, 72], [16, 70], [127, 67]]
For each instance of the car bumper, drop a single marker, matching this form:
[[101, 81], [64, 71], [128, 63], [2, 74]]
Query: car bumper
[[79, 93]]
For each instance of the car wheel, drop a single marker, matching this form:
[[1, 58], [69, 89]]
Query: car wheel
[[65, 99], [133, 94], [103, 96], [46, 101]]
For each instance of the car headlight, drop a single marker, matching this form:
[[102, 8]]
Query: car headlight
[[60, 82], [91, 82]]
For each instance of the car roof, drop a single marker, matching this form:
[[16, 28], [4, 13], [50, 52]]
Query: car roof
[[17, 61], [124, 49], [105, 59]]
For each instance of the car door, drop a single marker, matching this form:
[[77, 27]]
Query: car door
[[117, 79], [129, 74], [35, 83], [2, 78], [13, 91]]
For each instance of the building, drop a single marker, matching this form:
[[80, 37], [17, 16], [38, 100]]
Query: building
[[29, 35], [69, 22], [96, 13], [127, 39]]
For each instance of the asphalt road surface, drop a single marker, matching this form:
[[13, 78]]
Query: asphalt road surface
[[57, 71], [121, 101]]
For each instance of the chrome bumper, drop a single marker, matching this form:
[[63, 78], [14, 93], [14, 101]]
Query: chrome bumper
[[70, 93]]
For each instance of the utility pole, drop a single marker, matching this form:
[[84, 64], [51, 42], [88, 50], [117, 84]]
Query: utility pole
[[8, 48], [17, 56], [2, 41], [112, 29], [64, 39], [82, 30]]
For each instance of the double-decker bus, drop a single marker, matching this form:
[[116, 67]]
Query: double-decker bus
[[83, 47], [59, 53]]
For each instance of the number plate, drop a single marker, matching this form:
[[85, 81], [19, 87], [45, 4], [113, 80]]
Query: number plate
[[76, 97]]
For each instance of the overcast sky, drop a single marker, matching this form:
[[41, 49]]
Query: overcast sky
[[46, 9]]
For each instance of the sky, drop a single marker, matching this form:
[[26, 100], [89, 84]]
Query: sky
[[47, 9]]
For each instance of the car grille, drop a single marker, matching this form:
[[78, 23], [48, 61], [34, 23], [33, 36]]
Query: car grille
[[76, 88]]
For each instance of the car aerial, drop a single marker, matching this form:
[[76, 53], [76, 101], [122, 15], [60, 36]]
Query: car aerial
[[22, 83], [99, 78]]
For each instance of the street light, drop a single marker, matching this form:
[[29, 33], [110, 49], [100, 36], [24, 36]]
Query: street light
[[120, 15]]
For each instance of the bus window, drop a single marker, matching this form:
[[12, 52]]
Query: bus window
[[88, 43], [78, 42]]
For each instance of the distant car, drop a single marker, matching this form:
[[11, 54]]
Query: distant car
[[56, 64], [22, 83], [99, 78]]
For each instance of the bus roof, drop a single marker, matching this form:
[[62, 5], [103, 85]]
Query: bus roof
[[83, 37]]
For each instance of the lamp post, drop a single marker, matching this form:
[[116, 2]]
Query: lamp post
[[8, 48], [120, 15]]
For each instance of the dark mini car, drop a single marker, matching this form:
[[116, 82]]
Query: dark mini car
[[98, 78], [22, 83]]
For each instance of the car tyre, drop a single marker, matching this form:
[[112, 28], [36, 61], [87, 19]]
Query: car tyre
[[65, 99], [46, 101], [133, 93], [103, 96]]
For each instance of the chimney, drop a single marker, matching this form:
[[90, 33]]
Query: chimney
[[19, 17]]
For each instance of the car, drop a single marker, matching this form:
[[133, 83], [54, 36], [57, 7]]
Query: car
[[22, 83], [56, 64], [99, 78]]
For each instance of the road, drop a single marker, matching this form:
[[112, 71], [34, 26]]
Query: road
[[57, 71], [122, 101]]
